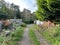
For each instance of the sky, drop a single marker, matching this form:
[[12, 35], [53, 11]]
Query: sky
[[28, 4]]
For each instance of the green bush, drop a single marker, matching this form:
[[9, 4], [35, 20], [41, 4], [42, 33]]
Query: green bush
[[23, 25], [17, 34]]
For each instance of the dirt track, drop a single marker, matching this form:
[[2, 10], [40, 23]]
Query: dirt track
[[26, 41]]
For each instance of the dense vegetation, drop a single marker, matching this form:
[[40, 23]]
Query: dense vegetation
[[48, 10], [13, 38], [11, 10], [52, 34]]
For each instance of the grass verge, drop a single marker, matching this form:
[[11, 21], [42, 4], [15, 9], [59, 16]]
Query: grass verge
[[52, 35], [33, 37]]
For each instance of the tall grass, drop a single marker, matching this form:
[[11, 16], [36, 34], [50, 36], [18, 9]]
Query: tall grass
[[52, 34]]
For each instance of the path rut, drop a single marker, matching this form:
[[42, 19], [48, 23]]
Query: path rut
[[41, 39], [25, 40]]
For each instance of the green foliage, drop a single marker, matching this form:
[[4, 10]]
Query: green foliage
[[14, 37], [48, 9], [17, 34], [23, 25], [10, 10], [1, 39], [3, 16], [33, 37], [52, 34], [18, 15]]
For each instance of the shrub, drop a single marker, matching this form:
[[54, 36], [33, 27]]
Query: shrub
[[23, 25]]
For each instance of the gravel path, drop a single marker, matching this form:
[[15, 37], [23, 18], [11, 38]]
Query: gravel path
[[25, 40]]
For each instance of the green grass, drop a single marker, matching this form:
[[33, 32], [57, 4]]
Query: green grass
[[33, 37], [14, 37], [52, 35]]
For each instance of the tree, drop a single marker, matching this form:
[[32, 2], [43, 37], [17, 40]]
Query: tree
[[4, 8], [3, 16], [48, 10], [15, 12], [9, 9], [18, 15]]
